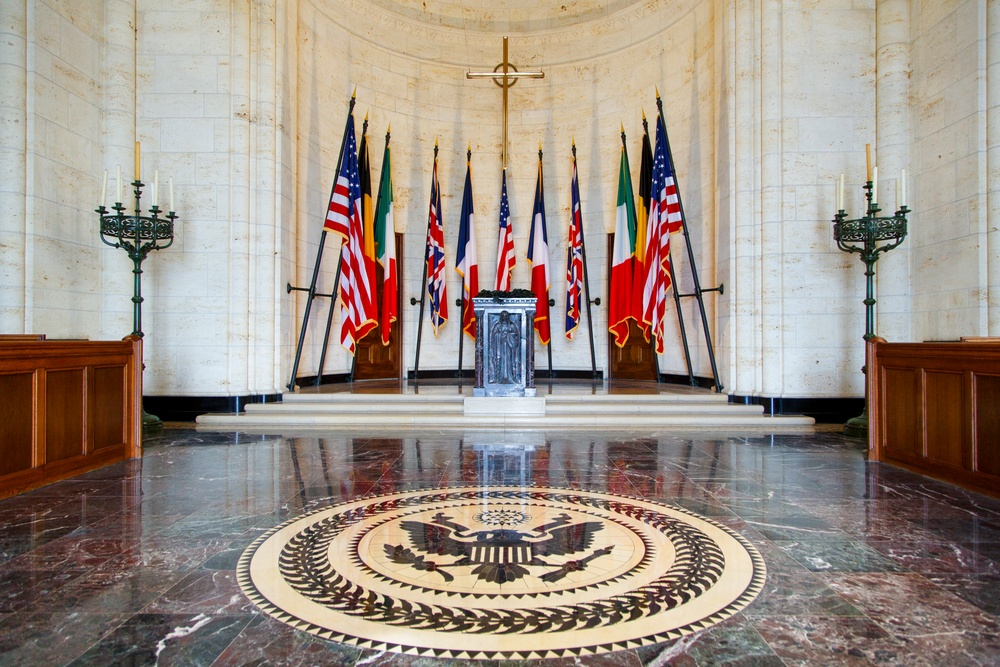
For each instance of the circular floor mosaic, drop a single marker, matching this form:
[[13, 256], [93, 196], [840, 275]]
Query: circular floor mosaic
[[504, 572]]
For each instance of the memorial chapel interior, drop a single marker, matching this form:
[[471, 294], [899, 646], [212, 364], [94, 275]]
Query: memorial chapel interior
[[800, 466]]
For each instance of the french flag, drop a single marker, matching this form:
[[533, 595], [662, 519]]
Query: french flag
[[538, 257], [465, 258]]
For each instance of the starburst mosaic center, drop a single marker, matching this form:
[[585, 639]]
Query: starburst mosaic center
[[501, 572]]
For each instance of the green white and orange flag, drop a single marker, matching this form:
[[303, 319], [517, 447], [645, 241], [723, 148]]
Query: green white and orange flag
[[385, 247], [622, 297]]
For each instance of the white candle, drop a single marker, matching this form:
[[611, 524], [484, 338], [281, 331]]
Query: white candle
[[156, 184], [874, 185], [170, 183], [840, 194], [104, 188], [118, 172], [902, 188]]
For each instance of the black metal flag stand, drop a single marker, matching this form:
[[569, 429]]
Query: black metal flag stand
[[698, 290], [315, 276], [586, 286]]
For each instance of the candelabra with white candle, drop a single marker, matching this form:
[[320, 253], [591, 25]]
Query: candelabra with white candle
[[138, 235], [869, 236]]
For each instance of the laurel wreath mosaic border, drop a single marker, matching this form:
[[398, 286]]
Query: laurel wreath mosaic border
[[437, 617]]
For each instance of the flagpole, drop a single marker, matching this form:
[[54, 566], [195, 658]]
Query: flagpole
[[423, 292], [319, 257], [691, 259], [551, 302], [586, 282], [461, 303], [354, 357], [329, 322]]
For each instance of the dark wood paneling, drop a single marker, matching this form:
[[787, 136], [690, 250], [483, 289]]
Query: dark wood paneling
[[58, 399], [64, 427], [944, 405], [109, 407], [945, 395], [376, 361], [635, 360], [903, 429], [987, 391], [16, 404]]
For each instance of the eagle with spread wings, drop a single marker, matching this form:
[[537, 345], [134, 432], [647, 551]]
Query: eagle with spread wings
[[497, 555]]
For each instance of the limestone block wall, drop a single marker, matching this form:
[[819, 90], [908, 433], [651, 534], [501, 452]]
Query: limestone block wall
[[799, 81], [51, 154], [243, 105], [954, 259], [599, 75]]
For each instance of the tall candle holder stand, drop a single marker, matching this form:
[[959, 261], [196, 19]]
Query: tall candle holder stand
[[138, 234], [869, 236]]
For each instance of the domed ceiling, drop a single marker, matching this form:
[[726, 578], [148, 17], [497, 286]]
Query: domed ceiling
[[494, 16]]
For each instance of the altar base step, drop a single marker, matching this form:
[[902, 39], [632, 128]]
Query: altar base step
[[441, 409]]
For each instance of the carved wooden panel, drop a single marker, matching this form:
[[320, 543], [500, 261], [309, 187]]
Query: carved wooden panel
[[374, 360], [987, 450], [64, 426], [903, 430], [635, 360], [108, 406], [17, 391], [947, 441]]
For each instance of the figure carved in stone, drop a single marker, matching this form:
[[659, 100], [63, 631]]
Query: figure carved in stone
[[505, 347]]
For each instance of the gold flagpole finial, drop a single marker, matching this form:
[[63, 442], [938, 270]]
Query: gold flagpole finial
[[354, 95], [366, 115], [657, 89], [644, 114], [623, 126]]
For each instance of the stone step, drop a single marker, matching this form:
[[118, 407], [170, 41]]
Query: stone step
[[299, 420]]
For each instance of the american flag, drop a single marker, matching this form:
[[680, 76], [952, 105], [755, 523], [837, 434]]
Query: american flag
[[343, 217], [574, 259], [436, 288], [664, 215], [505, 243]]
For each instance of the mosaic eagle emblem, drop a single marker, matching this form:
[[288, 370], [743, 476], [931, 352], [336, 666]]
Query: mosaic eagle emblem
[[498, 555]]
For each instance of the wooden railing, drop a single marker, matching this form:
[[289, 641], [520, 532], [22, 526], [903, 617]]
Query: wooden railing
[[67, 407], [935, 408]]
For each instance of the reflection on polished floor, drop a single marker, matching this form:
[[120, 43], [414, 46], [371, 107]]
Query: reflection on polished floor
[[137, 563]]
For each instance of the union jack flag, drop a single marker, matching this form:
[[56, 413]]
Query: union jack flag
[[436, 288], [574, 259], [505, 243]]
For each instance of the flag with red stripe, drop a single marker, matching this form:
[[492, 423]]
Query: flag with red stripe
[[505, 242], [574, 256], [436, 288], [465, 258], [385, 247], [657, 259], [343, 218], [641, 222], [538, 257], [620, 308]]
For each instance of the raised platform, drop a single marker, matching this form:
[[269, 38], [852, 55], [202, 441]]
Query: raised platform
[[559, 404]]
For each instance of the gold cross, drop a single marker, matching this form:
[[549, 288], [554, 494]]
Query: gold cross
[[505, 78]]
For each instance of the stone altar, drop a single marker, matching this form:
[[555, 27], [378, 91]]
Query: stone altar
[[505, 345]]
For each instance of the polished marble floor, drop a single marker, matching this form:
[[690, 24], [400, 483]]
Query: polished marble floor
[[136, 563]]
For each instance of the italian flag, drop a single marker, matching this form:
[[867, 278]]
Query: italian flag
[[620, 307], [385, 247]]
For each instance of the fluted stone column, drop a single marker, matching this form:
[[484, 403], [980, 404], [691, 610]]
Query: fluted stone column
[[119, 83], [892, 154], [13, 174], [993, 163]]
